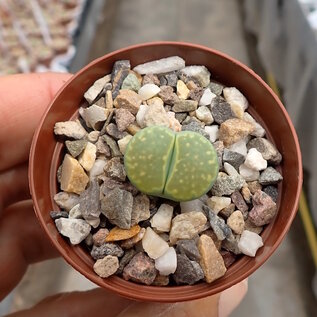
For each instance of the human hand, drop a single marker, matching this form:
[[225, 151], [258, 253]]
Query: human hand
[[23, 100]]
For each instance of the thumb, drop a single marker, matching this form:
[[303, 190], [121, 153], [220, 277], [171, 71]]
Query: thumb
[[96, 302]]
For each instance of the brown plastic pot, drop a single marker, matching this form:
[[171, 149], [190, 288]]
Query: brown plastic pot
[[46, 156]]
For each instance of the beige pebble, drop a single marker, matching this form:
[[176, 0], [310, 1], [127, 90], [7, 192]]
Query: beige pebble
[[236, 222], [88, 156], [73, 178], [211, 260], [182, 90], [107, 266]]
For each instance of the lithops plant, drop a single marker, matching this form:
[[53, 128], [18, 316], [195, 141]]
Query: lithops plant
[[179, 166]]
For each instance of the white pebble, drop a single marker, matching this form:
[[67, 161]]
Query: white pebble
[[259, 131], [92, 93], [148, 91], [248, 174], [75, 212], [234, 97], [230, 170], [97, 169], [153, 244], [88, 156], [94, 116], [213, 132], [160, 66], [167, 263], [204, 115], [71, 129], [255, 160], [207, 97], [75, 229], [162, 219], [173, 122], [123, 143], [249, 243], [140, 116], [240, 147], [191, 205]]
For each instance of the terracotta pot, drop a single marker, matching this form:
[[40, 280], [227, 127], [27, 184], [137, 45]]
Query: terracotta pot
[[46, 156]]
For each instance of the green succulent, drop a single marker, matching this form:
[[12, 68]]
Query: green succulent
[[179, 166]]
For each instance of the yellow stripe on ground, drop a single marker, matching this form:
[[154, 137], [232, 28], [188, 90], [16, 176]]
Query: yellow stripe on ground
[[303, 206]]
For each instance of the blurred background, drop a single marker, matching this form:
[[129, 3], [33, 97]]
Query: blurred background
[[276, 38]]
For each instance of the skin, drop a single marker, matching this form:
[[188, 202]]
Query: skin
[[23, 100]]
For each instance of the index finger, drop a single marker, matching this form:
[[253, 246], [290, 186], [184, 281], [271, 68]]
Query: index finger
[[23, 100]]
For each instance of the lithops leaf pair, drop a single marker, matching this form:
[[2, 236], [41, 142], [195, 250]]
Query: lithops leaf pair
[[179, 166]]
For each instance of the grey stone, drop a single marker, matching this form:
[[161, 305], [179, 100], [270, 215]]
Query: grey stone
[[103, 130], [75, 147], [89, 240], [189, 248], [115, 169], [171, 79], [124, 118], [195, 127], [131, 82], [150, 79], [75, 229], [163, 80], [226, 185], [267, 149], [272, 192], [196, 93], [180, 116], [221, 110], [233, 158], [118, 81], [164, 65], [113, 145], [199, 74], [101, 102], [228, 258], [114, 132], [239, 201], [58, 214], [218, 225], [219, 147], [270, 176], [140, 209], [128, 255], [231, 244], [66, 200], [109, 184], [117, 207], [89, 203], [119, 65], [99, 252], [187, 271], [264, 209], [141, 269], [102, 147], [185, 105], [216, 88], [168, 95], [194, 120]]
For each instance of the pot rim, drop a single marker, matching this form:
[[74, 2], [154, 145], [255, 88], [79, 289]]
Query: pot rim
[[156, 293]]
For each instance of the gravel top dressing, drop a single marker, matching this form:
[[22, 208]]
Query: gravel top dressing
[[166, 178]]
